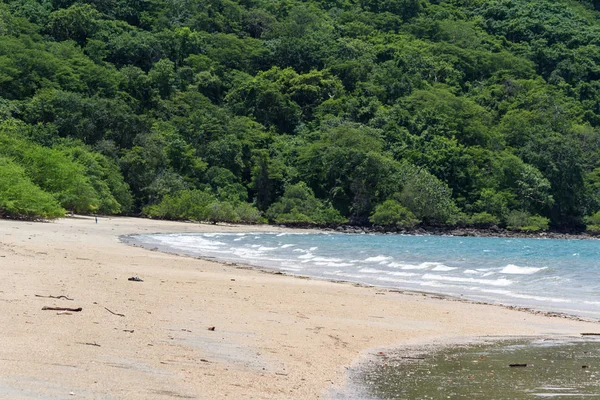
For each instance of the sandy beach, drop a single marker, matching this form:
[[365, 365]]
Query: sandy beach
[[274, 337]]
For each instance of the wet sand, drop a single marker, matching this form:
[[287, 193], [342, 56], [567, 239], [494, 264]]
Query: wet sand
[[275, 336]]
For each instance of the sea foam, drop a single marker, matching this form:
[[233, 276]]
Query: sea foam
[[516, 270]]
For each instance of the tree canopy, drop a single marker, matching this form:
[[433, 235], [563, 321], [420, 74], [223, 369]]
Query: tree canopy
[[391, 112]]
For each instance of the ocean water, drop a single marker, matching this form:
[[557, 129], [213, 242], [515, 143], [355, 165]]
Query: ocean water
[[544, 274]]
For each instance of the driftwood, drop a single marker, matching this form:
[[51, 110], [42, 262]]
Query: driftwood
[[114, 313], [590, 334], [89, 344], [62, 309], [53, 297], [517, 365]]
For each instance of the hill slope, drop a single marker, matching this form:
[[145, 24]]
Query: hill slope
[[442, 112]]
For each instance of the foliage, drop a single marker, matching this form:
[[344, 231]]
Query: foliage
[[524, 222], [202, 205], [299, 205], [426, 196], [593, 223], [392, 213], [449, 108], [483, 220], [21, 198]]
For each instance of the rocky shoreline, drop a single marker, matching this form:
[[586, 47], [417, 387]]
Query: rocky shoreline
[[493, 231]]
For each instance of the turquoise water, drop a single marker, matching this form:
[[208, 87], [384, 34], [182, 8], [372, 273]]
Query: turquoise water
[[545, 274]]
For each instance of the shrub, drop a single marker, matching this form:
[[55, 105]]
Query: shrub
[[299, 205], [21, 198], [187, 204], [592, 223], [483, 219], [202, 205], [426, 196], [522, 221], [249, 214], [392, 213], [222, 212]]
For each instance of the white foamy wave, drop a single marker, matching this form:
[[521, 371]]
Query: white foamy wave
[[306, 256], [443, 268], [263, 248], [377, 259], [471, 272], [394, 280], [293, 269], [327, 259], [396, 273], [432, 264], [408, 266], [371, 271], [332, 264], [433, 284], [495, 282], [192, 243], [212, 234], [508, 293], [516, 270], [246, 253], [285, 246], [313, 248], [368, 270]]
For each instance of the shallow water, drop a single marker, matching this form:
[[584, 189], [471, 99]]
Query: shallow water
[[545, 274], [554, 369]]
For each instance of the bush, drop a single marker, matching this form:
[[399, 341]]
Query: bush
[[483, 219], [249, 214], [202, 205], [426, 196], [299, 205], [187, 204], [51, 170], [592, 223], [392, 213], [522, 221], [222, 212], [21, 198]]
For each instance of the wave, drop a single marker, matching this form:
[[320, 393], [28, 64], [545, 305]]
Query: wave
[[377, 259], [495, 282], [379, 271], [508, 293], [443, 268], [516, 270]]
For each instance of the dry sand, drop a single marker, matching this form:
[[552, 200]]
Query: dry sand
[[275, 337]]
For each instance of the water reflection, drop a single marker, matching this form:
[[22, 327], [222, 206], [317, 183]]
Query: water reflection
[[521, 369]]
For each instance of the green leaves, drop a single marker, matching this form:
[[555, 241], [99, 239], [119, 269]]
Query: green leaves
[[299, 206], [455, 110], [21, 198]]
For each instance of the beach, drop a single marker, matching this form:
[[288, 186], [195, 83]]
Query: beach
[[201, 329]]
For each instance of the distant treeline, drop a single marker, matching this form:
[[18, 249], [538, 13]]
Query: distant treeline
[[391, 112]]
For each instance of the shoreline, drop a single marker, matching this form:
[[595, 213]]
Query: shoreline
[[131, 240], [275, 336]]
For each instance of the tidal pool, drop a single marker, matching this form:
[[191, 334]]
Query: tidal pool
[[508, 369]]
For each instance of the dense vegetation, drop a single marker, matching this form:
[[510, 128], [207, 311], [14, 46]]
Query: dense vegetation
[[395, 112]]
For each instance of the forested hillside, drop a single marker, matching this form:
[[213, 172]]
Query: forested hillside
[[393, 112]]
